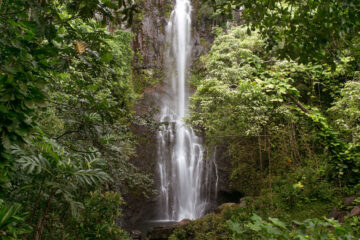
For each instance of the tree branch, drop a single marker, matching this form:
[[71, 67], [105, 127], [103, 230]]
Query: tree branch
[[65, 133], [297, 103], [79, 151]]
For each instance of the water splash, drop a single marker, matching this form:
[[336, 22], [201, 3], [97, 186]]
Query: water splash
[[186, 176]]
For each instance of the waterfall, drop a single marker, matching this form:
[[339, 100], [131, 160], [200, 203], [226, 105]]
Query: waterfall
[[185, 171]]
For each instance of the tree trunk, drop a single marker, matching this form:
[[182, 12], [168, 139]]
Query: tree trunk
[[41, 224], [260, 155], [268, 143]]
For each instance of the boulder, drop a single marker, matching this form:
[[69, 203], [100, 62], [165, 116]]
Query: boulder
[[338, 215], [135, 234], [355, 211], [183, 223], [223, 206], [160, 233], [164, 232]]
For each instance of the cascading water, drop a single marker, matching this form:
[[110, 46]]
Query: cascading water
[[185, 175]]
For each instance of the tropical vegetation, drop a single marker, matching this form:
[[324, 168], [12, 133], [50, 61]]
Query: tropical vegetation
[[279, 91]]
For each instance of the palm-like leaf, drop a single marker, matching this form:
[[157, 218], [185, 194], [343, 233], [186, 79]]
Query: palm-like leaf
[[34, 164], [90, 176], [64, 173]]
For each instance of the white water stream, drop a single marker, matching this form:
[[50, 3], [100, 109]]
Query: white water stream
[[186, 173]]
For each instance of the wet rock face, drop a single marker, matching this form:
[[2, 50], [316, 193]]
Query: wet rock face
[[224, 193], [149, 27], [149, 42], [138, 207]]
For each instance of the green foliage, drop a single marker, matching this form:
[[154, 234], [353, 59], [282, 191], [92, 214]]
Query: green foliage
[[273, 118], [62, 201], [212, 226], [101, 212], [344, 158], [66, 98], [60, 176], [33, 45], [30, 44], [354, 224], [248, 176], [257, 228], [235, 222], [346, 112], [243, 90], [303, 192], [62, 172], [305, 31], [244, 93], [12, 221], [231, 98]]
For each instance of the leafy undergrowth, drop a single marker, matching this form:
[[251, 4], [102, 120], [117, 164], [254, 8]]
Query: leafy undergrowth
[[212, 226], [235, 222]]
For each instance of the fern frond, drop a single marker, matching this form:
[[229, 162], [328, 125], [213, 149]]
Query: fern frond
[[17, 150], [94, 160], [93, 117]]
